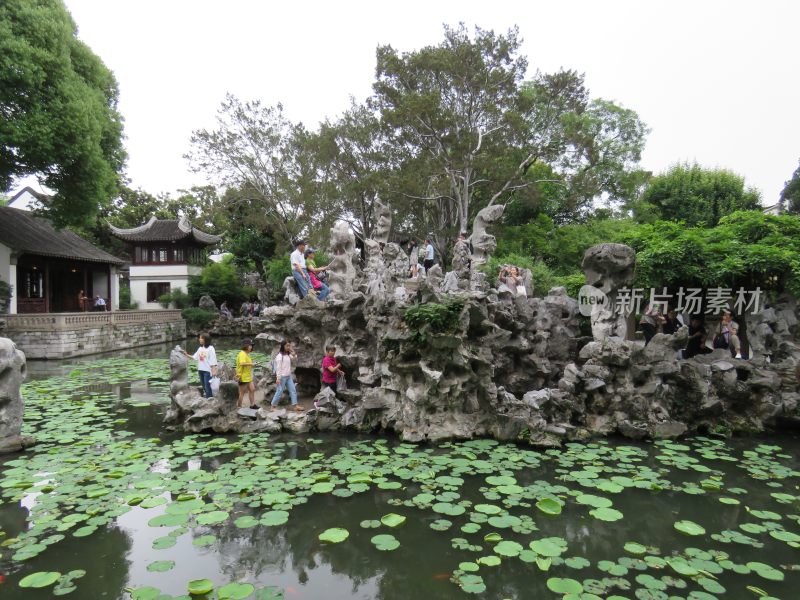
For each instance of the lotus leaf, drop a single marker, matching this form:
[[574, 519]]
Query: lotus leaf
[[334, 535]]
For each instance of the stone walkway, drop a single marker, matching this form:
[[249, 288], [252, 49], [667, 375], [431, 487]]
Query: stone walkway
[[306, 402]]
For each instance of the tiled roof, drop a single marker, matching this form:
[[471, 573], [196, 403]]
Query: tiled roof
[[165, 230], [26, 234]]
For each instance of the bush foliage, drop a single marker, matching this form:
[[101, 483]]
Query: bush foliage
[[433, 318], [199, 317]]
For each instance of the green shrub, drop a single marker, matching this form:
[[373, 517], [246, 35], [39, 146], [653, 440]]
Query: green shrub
[[125, 297], [5, 291], [199, 317], [433, 318], [573, 283], [542, 276], [220, 281], [177, 298], [276, 270]]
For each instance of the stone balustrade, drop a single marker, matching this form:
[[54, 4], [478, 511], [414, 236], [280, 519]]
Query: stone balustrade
[[87, 320], [63, 335]]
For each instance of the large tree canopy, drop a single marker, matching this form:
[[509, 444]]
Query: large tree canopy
[[258, 152], [695, 195], [58, 110], [474, 132]]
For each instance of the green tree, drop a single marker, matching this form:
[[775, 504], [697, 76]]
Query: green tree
[[695, 196], [251, 246], [746, 249], [790, 196], [220, 281], [355, 162], [258, 152], [472, 131], [58, 111]]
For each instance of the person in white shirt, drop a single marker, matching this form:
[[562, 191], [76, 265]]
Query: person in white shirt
[[429, 255], [299, 271], [206, 358], [99, 303]]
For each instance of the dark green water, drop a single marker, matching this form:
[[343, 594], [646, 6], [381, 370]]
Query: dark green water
[[101, 446]]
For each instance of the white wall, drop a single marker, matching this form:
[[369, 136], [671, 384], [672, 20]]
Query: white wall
[[8, 273], [26, 201], [176, 275], [114, 289], [99, 284]]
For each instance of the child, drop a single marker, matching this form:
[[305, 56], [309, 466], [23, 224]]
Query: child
[[206, 358], [244, 374], [331, 369], [283, 376]]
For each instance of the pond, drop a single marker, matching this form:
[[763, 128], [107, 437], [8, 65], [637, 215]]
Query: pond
[[107, 505]]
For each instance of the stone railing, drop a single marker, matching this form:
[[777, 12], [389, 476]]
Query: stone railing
[[87, 320]]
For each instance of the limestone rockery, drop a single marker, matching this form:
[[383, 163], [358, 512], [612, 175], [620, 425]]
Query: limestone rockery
[[507, 366]]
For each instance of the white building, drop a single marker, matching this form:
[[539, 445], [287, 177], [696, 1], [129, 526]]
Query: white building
[[27, 199], [52, 270], [165, 253]]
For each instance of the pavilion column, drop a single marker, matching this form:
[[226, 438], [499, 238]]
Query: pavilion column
[[47, 289]]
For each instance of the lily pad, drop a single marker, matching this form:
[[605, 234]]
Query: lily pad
[[160, 566], [334, 535], [606, 514], [689, 527], [549, 506], [393, 520], [385, 542], [562, 585], [199, 587], [235, 591], [39, 579]]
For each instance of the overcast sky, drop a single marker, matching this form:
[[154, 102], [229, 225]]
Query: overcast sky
[[716, 81]]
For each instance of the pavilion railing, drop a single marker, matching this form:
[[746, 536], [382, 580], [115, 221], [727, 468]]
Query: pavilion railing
[[82, 320]]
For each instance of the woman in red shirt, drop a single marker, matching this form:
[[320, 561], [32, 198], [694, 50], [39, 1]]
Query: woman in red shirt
[[331, 369]]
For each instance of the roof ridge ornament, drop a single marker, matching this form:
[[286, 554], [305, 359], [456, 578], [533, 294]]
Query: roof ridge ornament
[[184, 224]]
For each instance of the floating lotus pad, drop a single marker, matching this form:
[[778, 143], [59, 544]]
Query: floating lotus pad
[[689, 527], [235, 591], [393, 520], [334, 535], [200, 587], [385, 542], [40, 579]]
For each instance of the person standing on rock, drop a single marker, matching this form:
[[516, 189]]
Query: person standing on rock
[[283, 376], [244, 374], [206, 358], [299, 271], [430, 255], [331, 369]]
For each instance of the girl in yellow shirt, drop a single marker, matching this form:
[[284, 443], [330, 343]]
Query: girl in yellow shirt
[[244, 374]]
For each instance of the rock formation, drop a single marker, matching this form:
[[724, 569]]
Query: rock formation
[[609, 267], [179, 371], [383, 222], [207, 303], [483, 243], [12, 374], [342, 273], [476, 359]]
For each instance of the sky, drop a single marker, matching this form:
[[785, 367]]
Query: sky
[[716, 81]]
